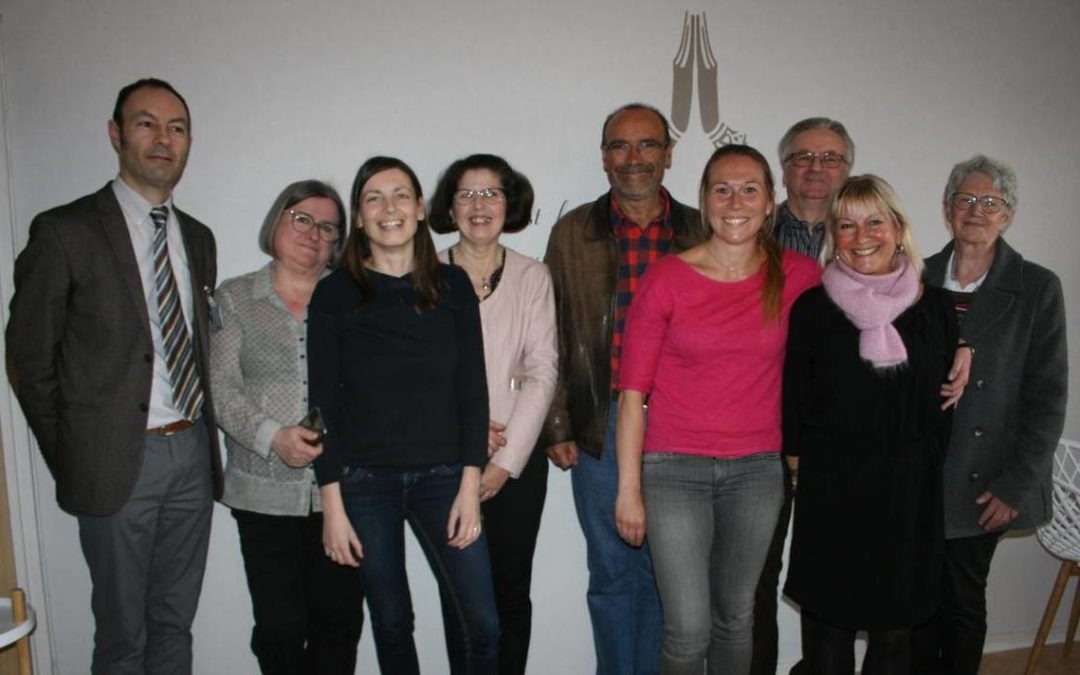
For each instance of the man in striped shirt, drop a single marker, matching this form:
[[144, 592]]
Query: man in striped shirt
[[816, 154]]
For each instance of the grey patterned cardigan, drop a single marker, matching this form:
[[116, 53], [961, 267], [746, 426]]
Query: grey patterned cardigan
[[258, 359]]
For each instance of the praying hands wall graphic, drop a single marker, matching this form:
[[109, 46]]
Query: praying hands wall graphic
[[694, 52]]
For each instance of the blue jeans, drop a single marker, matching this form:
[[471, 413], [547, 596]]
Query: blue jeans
[[709, 523], [378, 502], [623, 603]]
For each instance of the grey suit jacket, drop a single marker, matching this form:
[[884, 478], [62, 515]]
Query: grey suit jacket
[[81, 353], [1008, 423]]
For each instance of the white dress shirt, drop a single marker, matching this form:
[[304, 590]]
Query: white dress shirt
[[136, 212]]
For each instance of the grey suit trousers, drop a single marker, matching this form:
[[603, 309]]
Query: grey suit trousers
[[147, 560]]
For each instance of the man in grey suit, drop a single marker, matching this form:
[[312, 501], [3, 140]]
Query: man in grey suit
[[108, 340]]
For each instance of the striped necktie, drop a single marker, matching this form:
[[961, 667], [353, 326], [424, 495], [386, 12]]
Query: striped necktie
[[187, 390]]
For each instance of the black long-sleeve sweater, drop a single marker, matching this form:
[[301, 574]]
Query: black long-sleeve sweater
[[397, 387]]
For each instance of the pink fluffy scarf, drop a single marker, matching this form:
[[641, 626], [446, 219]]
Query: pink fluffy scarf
[[872, 302]]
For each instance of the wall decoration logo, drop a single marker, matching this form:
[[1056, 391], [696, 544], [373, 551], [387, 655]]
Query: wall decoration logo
[[695, 54]]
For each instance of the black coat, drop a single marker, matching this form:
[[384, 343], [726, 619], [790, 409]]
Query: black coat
[[867, 539]]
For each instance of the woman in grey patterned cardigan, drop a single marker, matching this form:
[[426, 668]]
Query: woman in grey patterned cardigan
[[308, 610]]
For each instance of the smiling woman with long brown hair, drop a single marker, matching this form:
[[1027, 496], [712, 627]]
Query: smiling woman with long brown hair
[[396, 363], [705, 342]]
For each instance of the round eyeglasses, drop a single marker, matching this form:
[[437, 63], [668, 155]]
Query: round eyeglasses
[[303, 222]]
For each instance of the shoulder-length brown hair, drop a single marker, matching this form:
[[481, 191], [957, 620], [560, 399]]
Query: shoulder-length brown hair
[[772, 293], [518, 189], [425, 272]]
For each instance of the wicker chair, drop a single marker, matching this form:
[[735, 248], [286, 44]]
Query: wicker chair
[[1061, 537]]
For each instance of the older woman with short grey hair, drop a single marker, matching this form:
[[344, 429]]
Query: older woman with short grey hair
[[307, 608], [997, 469]]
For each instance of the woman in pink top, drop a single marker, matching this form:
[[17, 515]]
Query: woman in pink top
[[705, 344], [481, 197]]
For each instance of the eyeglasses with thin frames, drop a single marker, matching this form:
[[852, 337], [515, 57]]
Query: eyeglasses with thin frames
[[303, 222], [988, 203], [491, 195], [829, 160], [646, 148]]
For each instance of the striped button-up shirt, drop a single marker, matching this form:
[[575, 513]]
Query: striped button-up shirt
[[794, 234]]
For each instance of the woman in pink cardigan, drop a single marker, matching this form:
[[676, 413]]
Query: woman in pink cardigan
[[705, 343], [481, 197]]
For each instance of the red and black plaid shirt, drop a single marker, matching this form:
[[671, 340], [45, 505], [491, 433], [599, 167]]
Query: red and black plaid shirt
[[639, 247]]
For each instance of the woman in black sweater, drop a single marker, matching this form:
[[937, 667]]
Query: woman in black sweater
[[865, 427], [396, 365]]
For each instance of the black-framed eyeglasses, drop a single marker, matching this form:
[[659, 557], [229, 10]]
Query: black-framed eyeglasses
[[491, 195], [989, 203], [646, 147], [303, 222], [829, 160]]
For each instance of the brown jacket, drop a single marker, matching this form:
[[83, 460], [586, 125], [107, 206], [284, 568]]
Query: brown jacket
[[582, 254], [80, 346]]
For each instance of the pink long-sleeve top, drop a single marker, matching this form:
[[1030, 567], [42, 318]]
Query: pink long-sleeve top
[[710, 363], [520, 354]]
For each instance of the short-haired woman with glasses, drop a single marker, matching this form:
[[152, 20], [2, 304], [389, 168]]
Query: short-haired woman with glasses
[[997, 469], [396, 363], [307, 609], [481, 197]]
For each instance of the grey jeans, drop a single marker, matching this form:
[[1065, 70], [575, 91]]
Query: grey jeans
[[709, 522]]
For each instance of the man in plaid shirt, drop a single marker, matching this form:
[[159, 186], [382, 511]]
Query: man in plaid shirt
[[597, 254]]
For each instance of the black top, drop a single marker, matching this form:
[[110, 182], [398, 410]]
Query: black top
[[868, 530], [397, 387]]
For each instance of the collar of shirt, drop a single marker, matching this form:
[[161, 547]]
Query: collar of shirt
[[786, 218], [620, 221], [951, 283], [262, 288], [135, 207], [793, 234]]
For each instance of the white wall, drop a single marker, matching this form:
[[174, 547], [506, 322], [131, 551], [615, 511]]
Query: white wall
[[286, 90]]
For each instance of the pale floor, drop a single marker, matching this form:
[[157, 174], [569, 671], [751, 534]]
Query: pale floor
[[1050, 662]]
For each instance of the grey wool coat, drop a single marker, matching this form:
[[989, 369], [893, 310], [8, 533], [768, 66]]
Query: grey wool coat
[[1008, 423]]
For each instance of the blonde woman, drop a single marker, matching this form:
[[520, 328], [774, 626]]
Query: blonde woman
[[865, 428]]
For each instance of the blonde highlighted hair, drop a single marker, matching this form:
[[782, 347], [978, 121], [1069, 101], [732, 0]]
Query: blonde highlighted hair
[[869, 194]]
